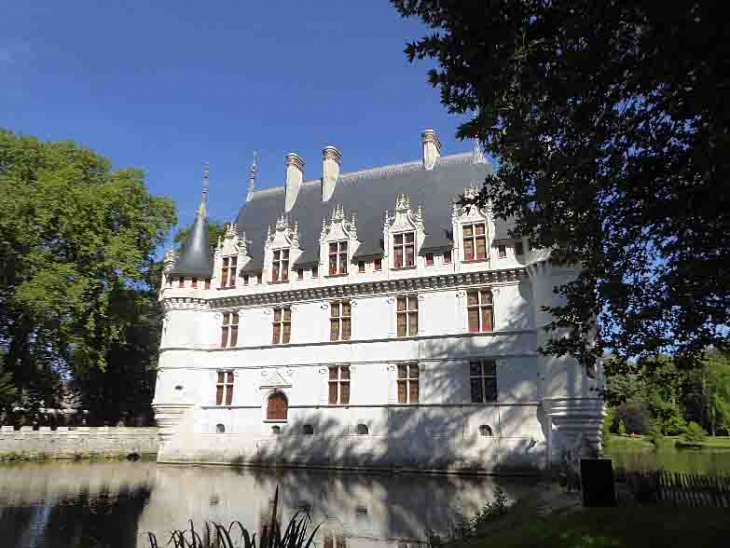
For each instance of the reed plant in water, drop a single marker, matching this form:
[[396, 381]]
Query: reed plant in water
[[216, 535]]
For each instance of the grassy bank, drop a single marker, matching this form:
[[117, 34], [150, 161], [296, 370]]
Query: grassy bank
[[642, 442], [11, 457], [623, 527]]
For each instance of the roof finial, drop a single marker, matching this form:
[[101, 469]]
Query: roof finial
[[252, 176], [202, 208]]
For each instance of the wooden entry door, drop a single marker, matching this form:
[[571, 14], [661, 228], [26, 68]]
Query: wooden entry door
[[277, 407]]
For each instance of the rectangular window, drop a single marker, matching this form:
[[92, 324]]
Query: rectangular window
[[378, 264], [259, 279], [519, 249], [280, 270], [338, 258], [195, 283], [229, 330], [245, 279], [282, 325], [300, 274], [483, 381], [340, 321], [408, 383], [315, 272], [475, 241], [480, 308], [228, 272], [207, 283], [361, 266], [404, 250], [447, 257], [224, 388], [502, 250], [181, 282], [429, 259], [407, 316], [339, 385]]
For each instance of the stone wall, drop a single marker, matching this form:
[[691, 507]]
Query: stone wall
[[65, 442]]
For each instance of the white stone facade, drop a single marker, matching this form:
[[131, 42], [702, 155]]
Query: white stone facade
[[541, 402]]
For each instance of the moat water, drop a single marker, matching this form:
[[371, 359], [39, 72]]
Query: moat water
[[115, 504]]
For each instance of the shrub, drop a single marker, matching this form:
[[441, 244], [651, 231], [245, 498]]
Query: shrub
[[674, 426], [694, 433], [655, 433], [491, 510], [621, 427]]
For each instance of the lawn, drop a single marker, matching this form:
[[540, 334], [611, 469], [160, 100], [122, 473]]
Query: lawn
[[642, 527], [642, 442]]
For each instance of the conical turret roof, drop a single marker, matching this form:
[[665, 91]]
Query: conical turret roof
[[195, 257]]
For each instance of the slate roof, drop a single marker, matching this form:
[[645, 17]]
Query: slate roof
[[369, 192], [195, 258]]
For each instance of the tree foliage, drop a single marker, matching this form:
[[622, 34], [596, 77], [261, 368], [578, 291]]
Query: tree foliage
[[77, 249], [610, 124]]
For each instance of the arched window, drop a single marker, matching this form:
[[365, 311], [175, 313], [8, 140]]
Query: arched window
[[485, 430], [308, 429], [362, 429], [276, 430], [277, 407], [220, 429]]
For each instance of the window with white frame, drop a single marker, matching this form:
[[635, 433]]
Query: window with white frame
[[404, 250], [338, 258], [480, 309], [475, 241], [282, 325], [224, 388], [280, 266], [340, 321], [483, 380], [229, 330], [339, 385], [407, 315], [408, 383], [228, 271]]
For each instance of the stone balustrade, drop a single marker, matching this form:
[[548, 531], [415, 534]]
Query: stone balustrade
[[70, 442]]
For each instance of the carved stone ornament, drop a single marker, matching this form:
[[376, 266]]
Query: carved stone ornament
[[339, 227], [284, 235], [231, 243], [404, 218], [279, 377]]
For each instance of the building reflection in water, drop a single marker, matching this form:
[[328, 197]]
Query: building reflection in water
[[65, 505]]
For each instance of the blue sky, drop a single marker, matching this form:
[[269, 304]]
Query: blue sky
[[167, 85]]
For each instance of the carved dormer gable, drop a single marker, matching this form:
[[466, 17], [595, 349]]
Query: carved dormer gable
[[404, 221], [469, 213], [281, 249], [230, 246], [284, 235], [169, 261], [473, 227], [231, 243], [339, 227]]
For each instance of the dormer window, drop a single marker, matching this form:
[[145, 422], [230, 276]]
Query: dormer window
[[338, 258], [280, 271], [228, 271], [404, 250], [475, 241]]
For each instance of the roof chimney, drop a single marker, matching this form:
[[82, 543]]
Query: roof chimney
[[294, 178], [431, 148], [331, 163]]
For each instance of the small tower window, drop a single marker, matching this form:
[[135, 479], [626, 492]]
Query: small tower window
[[447, 257], [519, 249], [429, 259], [220, 429], [502, 251], [308, 429], [276, 430], [378, 264], [362, 430], [181, 282]]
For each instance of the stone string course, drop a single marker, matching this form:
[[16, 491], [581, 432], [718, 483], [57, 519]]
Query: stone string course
[[66, 442]]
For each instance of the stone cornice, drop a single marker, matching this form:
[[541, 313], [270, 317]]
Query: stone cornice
[[457, 279]]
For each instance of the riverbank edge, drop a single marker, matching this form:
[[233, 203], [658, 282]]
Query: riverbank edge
[[40, 456], [528, 473]]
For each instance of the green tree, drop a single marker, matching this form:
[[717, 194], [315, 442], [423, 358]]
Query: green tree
[[77, 245], [610, 122]]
